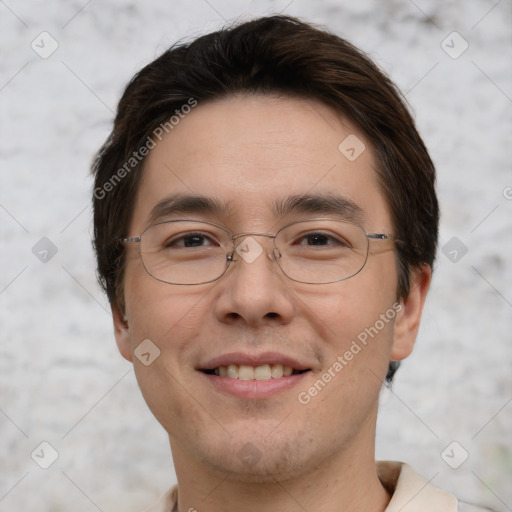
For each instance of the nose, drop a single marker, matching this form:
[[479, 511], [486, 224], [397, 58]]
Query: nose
[[254, 291]]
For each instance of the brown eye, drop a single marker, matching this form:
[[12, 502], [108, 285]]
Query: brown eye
[[320, 239], [189, 240]]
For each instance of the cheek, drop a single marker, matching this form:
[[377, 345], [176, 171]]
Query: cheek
[[165, 391], [156, 312], [360, 329], [171, 321], [356, 319], [164, 313], [346, 308]]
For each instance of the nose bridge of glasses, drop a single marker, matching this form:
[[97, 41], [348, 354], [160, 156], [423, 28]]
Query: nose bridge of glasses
[[248, 248]]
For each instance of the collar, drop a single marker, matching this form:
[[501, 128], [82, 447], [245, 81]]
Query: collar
[[411, 492]]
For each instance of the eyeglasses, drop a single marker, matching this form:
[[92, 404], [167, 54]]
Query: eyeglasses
[[315, 251]]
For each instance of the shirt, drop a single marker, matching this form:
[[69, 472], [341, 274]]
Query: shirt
[[409, 491]]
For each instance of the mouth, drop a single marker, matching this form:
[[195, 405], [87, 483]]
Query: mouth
[[253, 377], [247, 372]]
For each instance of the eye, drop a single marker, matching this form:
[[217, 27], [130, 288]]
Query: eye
[[190, 240], [321, 239]]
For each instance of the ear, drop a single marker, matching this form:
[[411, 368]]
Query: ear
[[408, 318], [122, 333]]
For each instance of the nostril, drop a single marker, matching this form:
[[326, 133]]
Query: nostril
[[272, 315]]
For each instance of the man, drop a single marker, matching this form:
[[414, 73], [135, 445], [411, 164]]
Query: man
[[265, 223]]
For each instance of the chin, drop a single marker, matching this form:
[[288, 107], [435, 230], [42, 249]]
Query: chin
[[259, 458], [270, 467]]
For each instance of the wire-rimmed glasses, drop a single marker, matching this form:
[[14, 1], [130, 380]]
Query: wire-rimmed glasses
[[314, 251]]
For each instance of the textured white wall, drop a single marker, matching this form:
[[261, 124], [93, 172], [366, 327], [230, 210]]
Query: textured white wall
[[61, 378]]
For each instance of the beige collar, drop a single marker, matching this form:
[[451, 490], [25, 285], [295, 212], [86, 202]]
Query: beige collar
[[411, 492]]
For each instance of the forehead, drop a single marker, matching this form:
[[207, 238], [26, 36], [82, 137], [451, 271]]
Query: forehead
[[253, 156]]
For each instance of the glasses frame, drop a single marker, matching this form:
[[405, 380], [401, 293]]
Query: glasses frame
[[277, 255]]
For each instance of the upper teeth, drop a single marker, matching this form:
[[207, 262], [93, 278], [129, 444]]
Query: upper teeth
[[245, 372]]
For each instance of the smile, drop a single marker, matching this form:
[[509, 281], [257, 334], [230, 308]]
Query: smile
[[261, 372], [255, 377]]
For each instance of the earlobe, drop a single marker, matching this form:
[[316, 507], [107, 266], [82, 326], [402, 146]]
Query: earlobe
[[408, 318], [122, 333]]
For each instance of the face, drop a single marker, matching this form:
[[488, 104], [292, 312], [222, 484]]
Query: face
[[249, 154]]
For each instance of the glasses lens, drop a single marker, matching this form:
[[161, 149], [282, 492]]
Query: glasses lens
[[322, 251], [185, 252]]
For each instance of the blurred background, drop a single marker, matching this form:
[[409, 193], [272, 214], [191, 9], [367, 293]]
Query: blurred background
[[63, 67]]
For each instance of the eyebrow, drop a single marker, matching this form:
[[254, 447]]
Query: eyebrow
[[187, 204], [325, 204]]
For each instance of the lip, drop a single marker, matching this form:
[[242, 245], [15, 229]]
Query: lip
[[254, 360], [252, 389]]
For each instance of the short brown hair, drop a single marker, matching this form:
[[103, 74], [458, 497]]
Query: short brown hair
[[270, 55]]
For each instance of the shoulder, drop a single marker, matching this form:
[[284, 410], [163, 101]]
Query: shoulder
[[410, 492], [166, 503], [470, 507]]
